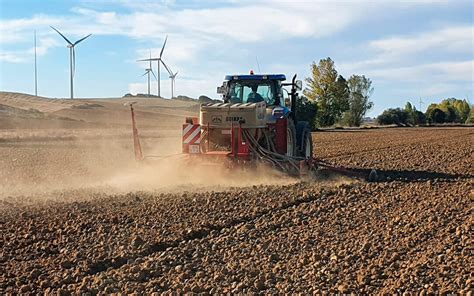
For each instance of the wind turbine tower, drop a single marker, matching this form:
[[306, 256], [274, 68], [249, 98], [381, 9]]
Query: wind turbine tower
[[36, 71], [421, 102], [72, 57], [147, 72]]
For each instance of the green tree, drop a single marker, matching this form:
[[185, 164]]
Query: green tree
[[360, 90], [470, 118], [419, 117], [434, 114], [306, 110], [410, 112], [328, 90], [341, 96], [455, 110], [462, 110], [393, 116]]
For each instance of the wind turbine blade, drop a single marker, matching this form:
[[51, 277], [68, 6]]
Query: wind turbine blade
[[81, 39], [175, 74], [163, 48], [67, 40], [166, 67], [154, 74], [146, 60], [145, 73]]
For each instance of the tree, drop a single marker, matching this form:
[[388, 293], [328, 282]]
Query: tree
[[360, 90], [410, 112], [462, 110], [306, 110], [419, 117], [435, 114], [455, 110], [408, 115], [393, 116], [341, 97], [328, 90], [470, 119]]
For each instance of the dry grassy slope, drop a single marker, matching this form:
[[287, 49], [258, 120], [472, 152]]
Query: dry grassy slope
[[20, 111]]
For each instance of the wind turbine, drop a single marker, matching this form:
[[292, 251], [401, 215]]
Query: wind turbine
[[72, 57], [172, 76], [421, 102], [159, 60], [147, 72], [173, 83]]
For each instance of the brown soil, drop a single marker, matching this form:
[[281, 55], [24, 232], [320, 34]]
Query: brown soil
[[77, 215]]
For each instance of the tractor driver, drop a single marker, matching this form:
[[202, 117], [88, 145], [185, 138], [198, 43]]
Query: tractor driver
[[254, 96]]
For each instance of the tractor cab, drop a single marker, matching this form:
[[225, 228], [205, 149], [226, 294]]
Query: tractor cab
[[253, 89], [262, 88]]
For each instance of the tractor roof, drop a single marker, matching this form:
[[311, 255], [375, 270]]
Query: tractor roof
[[256, 77]]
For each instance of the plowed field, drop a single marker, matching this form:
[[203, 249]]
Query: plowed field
[[409, 232]]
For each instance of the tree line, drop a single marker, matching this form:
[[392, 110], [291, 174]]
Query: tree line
[[450, 110], [331, 99]]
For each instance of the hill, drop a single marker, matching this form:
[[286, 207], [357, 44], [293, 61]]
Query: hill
[[23, 111]]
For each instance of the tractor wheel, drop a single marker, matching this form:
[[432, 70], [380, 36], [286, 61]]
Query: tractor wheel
[[290, 138], [307, 148]]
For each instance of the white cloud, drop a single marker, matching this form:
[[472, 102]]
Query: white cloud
[[406, 58], [212, 40], [26, 55], [445, 71], [12, 57], [454, 39], [239, 23]]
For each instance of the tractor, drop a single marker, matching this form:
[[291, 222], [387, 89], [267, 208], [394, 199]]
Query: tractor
[[256, 122]]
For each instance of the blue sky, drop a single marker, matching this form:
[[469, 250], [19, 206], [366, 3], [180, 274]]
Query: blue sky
[[410, 49]]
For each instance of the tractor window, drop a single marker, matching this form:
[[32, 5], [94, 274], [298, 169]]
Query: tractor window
[[252, 92]]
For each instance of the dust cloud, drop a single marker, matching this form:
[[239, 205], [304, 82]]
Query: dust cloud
[[88, 163]]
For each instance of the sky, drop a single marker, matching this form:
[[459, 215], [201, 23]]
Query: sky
[[409, 49]]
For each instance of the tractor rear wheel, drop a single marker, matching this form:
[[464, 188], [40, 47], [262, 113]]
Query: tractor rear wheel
[[290, 138], [307, 150]]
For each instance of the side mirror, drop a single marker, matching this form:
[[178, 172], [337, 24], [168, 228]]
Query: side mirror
[[299, 85], [222, 89]]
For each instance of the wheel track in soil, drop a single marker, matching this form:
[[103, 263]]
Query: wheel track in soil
[[104, 265]]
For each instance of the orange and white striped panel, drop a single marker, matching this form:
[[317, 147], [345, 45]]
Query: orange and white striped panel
[[191, 138]]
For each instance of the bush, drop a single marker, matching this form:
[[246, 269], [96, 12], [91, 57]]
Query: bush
[[204, 99], [419, 117], [393, 116]]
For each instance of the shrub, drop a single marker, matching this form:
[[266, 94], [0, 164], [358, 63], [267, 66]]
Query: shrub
[[393, 116]]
